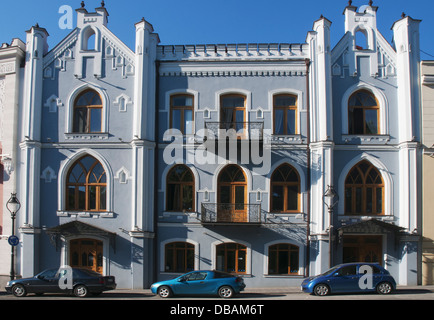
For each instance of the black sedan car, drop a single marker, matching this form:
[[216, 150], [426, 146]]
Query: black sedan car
[[76, 281]]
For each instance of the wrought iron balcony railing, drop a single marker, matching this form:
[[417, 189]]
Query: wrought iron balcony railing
[[241, 130], [228, 213]]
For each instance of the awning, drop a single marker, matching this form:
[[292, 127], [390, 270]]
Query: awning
[[77, 228], [371, 226]]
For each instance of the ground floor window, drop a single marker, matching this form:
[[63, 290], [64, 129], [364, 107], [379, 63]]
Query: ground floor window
[[231, 257], [283, 259], [179, 257]]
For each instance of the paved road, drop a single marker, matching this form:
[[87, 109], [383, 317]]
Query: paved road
[[402, 293]]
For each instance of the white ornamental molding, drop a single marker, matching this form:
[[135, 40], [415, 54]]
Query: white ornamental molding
[[7, 67]]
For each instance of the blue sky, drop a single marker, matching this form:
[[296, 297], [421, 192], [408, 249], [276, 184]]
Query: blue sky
[[223, 21]]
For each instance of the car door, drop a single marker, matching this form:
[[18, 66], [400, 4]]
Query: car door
[[345, 279], [46, 282], [192, 283]]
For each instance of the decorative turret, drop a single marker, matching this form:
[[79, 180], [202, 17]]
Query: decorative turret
[[406, 40], [90, 39]]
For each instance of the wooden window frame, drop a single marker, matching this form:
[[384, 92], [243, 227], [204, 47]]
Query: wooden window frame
[[364, 109], [285, 110], [181, 184], [238, 248], [276, 248], [182, 109], [234, 114], [89, 109], [87, 185], [364, 186], [186, 249], [285, 185]]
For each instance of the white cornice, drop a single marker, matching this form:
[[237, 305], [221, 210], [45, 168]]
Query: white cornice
[[232, 69], [236, 52]]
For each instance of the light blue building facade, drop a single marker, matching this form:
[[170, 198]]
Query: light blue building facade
[[148, 163]]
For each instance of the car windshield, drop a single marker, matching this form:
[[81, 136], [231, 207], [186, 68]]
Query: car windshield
[[330, 271]]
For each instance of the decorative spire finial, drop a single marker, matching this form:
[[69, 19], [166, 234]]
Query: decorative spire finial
[[102, 3], [82, 4], [350, 3], [371, 3], [403, 15]]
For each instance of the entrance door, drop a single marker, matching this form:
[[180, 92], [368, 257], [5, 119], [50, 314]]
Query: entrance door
[[87, 254], [362, 249], [232, 189]]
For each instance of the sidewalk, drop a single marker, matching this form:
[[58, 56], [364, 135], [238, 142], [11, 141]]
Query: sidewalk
[[272, 290]]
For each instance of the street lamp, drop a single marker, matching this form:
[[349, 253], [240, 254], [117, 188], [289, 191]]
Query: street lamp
[[331, 199], [13, 205]]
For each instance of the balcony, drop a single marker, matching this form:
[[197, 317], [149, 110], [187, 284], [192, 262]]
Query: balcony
[[228, 214], [240, 130]]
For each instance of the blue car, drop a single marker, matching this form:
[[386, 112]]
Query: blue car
[[204, 282], [351, 278]]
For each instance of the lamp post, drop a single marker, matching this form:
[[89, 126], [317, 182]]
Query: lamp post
[[13, 205], [330, 199]]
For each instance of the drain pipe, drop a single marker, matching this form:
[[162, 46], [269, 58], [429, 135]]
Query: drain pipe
[[308, 184], [156, 164]]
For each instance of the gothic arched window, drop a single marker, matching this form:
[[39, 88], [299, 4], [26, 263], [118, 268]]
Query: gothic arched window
[[364, 190], [285, 189], [86, 186]]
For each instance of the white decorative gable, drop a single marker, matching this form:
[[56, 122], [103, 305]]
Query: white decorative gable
[[363, 42]]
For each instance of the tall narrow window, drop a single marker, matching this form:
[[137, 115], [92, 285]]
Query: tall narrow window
[[86, 186], [364, 191], [285, 114], [233, 112], [179, 257], [231, 257], [88, 112], [285, 189], [363, 113], [283, 259], [180, 189], [181, 113]]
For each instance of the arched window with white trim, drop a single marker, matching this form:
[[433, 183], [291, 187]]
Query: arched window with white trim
[[86, 186], [88, 112], [364, 190], [363, 113]]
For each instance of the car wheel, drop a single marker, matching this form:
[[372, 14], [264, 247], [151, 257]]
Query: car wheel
[[81, 291], [226, 292], [19, 290], [384, 288], [164, 292], [321, 290]]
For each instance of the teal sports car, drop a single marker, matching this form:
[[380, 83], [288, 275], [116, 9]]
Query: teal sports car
[[203, 282]]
